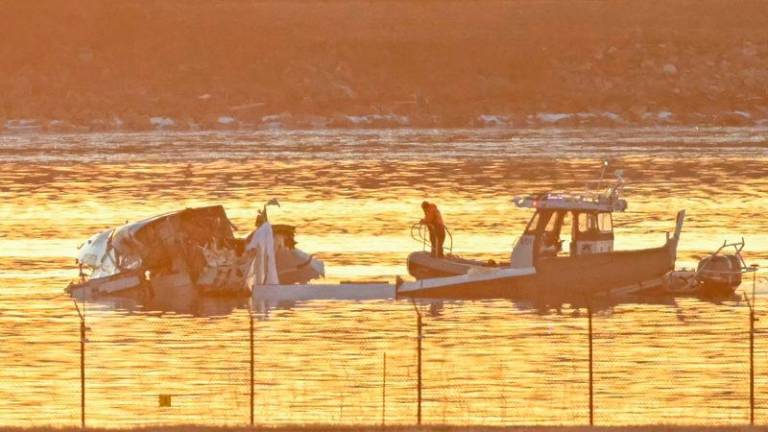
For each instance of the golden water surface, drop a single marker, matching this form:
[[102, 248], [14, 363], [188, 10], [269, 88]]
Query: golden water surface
[[353, 196]]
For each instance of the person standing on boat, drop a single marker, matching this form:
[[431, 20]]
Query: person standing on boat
[[434, 222]]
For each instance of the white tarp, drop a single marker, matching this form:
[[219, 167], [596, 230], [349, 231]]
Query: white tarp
[[261, 270]]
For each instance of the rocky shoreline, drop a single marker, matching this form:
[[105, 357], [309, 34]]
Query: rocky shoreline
[[287, 121], [175, 65]]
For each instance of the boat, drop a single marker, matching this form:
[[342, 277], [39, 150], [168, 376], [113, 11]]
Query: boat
[[565, 251], [172, 259], [716, 274]]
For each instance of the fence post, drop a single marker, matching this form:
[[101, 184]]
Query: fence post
[[591, 377], [419, 336], [252, 388], [752, 320], [81, 314], [751, 366], [384, 392]]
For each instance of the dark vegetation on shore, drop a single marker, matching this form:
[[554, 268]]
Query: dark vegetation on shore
[[179, 64]]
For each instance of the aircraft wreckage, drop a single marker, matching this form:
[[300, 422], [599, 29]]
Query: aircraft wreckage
[[180, 255]]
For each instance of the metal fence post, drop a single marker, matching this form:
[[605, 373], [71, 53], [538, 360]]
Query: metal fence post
[[384, 392], [751, 366], [419, 336], [81, 314], [591, 377], [418, 323], [252, 388], [752, 320]]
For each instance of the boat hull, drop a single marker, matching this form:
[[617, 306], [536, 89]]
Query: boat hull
[[576, 277], [422, 265]]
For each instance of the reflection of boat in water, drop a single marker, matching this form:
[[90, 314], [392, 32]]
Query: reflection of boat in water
[[171, 260], [539, 267]]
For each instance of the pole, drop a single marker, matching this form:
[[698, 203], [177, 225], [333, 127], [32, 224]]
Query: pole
[[752, 320], [751, 366], [384, 392], [82, 373], [250, 318], [419, 337], [591, 377], [418, 370], [754, 281], [81, 314]]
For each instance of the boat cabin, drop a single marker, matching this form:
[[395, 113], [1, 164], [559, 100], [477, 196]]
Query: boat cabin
[[566, 225], [571, 232]]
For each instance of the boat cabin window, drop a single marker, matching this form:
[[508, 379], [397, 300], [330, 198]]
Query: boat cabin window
[[533, 224], [587, 222], [596, 223], [566, 231], [552, 229], [605, 222]]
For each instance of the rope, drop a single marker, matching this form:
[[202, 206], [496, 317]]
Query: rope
[[420, 233]]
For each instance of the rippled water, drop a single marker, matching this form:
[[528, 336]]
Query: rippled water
[[353, 196]]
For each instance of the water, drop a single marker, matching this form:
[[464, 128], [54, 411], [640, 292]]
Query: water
[[353, 196]]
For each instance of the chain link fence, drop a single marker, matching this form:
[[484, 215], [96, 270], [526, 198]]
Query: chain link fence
[[367, 365]]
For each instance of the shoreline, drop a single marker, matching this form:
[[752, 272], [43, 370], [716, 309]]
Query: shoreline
[[400, 428], [563, 121]]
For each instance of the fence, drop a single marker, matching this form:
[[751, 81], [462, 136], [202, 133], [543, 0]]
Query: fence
[[403, 363]]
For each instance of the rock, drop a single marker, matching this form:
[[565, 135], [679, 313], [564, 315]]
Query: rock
[[226, 120], [162, 122], [670, 69], [22, 125], [553, 117], [488, 120], [749, 51], [734, 118], [276, 121]]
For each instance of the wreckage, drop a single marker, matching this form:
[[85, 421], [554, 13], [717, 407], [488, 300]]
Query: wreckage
[[181, 255]]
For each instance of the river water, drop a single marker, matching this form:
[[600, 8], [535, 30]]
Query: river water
[[353, 196]]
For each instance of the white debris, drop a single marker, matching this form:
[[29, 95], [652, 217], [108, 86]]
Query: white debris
[[226, 120]]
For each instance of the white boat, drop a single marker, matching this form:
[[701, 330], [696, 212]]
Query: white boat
[[541, 267]]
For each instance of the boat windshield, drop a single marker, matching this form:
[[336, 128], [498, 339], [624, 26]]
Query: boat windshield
[[553, 230], [595, 222]]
